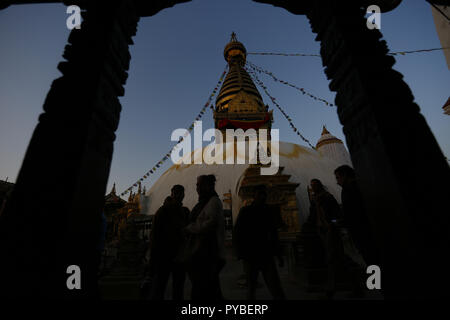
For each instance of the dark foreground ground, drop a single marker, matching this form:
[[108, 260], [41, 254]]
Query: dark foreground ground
[[124, 285]]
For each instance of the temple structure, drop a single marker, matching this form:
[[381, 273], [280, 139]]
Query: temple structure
[[119, 213], [239, 105], [332, 147], [72, 167]]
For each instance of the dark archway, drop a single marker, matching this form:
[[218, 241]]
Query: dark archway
[[71, 149]]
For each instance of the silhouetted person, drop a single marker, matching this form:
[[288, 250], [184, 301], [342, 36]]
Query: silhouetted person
[[5, 199], [256, 243], [90, 276], [207, 232], [166, 241], [354, 214], [327, 212], [102, 240]]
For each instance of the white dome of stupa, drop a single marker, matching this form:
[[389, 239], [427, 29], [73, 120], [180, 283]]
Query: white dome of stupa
[[302, 163]]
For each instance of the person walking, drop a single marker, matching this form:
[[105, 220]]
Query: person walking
[[354, 215], [206, 230], [327, 213], [256, 242], [166, 241]]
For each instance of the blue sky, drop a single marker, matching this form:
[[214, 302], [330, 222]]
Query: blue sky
[[176, 62]]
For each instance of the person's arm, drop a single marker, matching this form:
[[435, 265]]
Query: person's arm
[[154, 233], [321, 219], [186, 214], [211, 214], [329, 208], [276, 242], [275, 215], [237, 233], [335, 208]]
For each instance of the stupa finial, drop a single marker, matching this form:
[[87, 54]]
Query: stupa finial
[[324, 130], [233, 36]]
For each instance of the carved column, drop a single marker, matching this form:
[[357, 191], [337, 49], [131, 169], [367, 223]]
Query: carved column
[[53, 217], [394, 153]]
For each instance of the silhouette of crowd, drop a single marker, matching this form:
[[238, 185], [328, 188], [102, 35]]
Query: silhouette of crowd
[[191, 244]]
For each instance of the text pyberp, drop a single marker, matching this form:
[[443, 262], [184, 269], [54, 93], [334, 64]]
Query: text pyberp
[[230, 309]]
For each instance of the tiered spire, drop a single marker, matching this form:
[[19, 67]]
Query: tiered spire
[[237, 80], [131, 196]]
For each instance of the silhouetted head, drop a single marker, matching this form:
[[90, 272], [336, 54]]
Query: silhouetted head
[[260, 194], [206, 184], [317, 186], [177, 193], [344, 174]]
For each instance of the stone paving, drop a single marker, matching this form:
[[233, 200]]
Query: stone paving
[[126, 285]]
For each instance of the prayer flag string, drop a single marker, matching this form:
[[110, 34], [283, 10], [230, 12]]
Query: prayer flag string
[[302, 90], [291, 124], [190, 128], [402, 53]]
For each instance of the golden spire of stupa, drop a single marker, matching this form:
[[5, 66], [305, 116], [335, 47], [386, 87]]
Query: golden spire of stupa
[[238, 81]]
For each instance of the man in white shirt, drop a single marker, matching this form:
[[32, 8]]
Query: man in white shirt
[[207, 228]]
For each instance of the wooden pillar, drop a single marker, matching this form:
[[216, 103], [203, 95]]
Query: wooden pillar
[[52, 219], [397, 159]]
